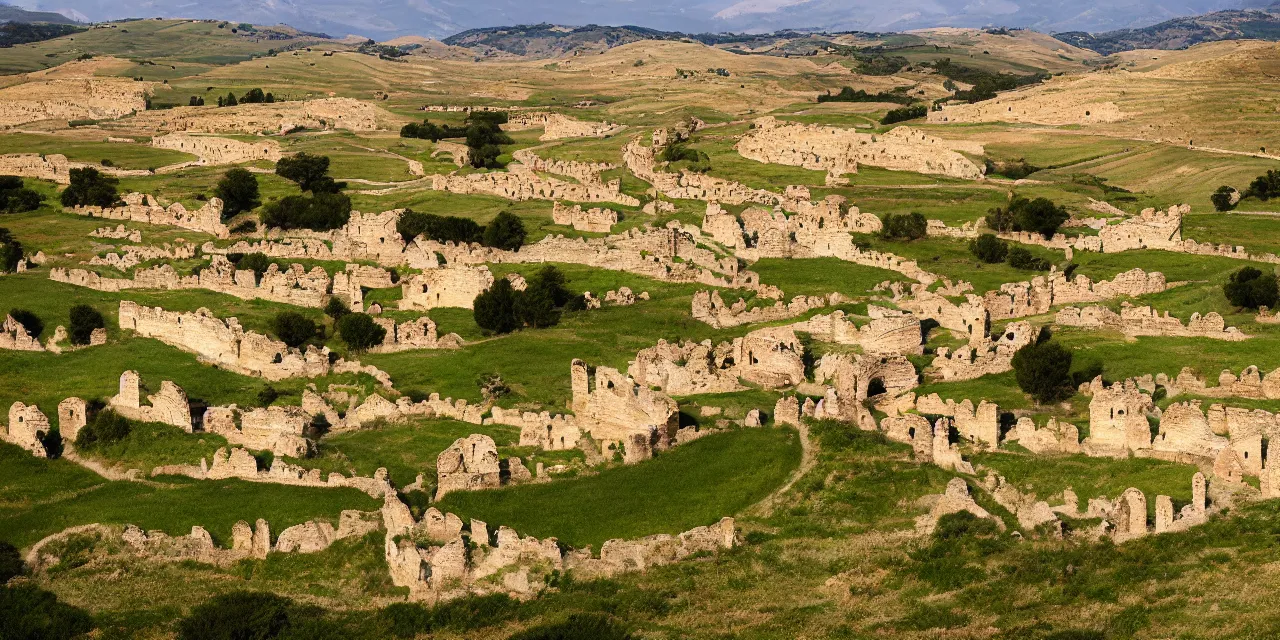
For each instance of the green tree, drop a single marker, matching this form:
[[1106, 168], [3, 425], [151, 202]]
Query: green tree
[[1043, 370], [989, 248], [10, 251], [439, 228], [360, 332], [320, 212], [293, 328], [310, 172], [258, 262], [1040, 215], [254, 96], [495, 309], [910, 226], [238, 615], [105, 427], [84, 319], [230, 100], [89, 187], [29, 321], [1021, 258], [238, 190], [1250, 288], [335, 309], [1265, 186], [16, 198], [506, 231], [1221, 198], [540, 303]]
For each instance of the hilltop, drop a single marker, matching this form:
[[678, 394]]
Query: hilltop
[[1180, 33]]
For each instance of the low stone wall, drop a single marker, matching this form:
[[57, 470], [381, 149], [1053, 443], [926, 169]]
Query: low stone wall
[[323, 114], [558, 127], [1145, 321], [144, 208], [771, 358], [219, 151], [595, 220], [710, 308], [521, 183], [292, 286], [71, 98]]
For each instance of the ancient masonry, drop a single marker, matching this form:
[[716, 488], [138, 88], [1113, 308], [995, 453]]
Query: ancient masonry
[[240, 464], [1145, 321], [620, 412], [71, 99], [168, 406], [584, 172], [414, 334], [219, 151], [54, 167], [324, 114], [888, 331], [294, 285], [557, 127], [1046, 104], [985, 356], [130, 256], [144, 208], [771, 358], [839, 151], [451, 286], [641, 160], [521, 183], [595, 220], [15, 337], [710, 308]]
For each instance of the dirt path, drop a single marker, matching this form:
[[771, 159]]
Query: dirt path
[[808, 459]]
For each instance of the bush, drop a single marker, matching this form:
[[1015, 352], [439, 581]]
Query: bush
[[849, 94], [495, 309], [910, 226], [360, 332], [293, 328], [408, 619], [1221, 198], [1250, 288], [16, 198], [267, 395], [10, 562], [989, 248], [258, 262], [238, 190], [321, 212], [105, 427], [1012, 169], [247, 226], [1043, 370], [84, 319], [239, 615], [10, 251], [579, 626], [1021, 258], [506, 231], [28, 612], [336, 309], [1265, 186], [902, 114], [89, 187], [29, 321], [310, 172], [540, 303], [439, 228], [1039, 216], [699, 162], [255, 96]]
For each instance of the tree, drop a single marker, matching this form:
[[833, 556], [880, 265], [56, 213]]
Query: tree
[[1265, 186], [911, 226], [238, 190], [506, 231], [360, 332], [1040, 215], [321, 212], [84, 319], [29, 321], [1222, 199], [16, 198], [89, 187], [230, 100], [495, 309], [293, 328], [310, 172], [1043, 370], [1021, 258], [106, 427], [10, 251], [999, 219], [1250, 288], [237, 615], [254, 96], [336, 309], [989, 248], [258, 262], [439, 228], [540, 303]]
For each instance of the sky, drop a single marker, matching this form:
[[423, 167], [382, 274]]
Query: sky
[[439, 18]]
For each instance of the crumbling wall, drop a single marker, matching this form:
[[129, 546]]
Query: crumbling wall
[[168, 406], [219, 151], [1145, 321], [452, 286], [469, 463], [27, 425], [323, 114], [615, 409], [771, 358], [889, 331], [144, 208], [14, 337], [1118, 419], [557, 127], [414, 334], [1021, 299], [991, 354], [521, 183], [276, 429], [71, 98], [710, 308], [294, 285], [595, 220]]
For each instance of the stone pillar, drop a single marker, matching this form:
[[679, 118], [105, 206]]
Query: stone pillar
[[1198, 502], [71, 417], [1164, 513], [787, 411], [1132, 514], [580, 381], [128, 396]]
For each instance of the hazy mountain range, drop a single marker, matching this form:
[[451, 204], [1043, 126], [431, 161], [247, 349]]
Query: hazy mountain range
[[439, 18]]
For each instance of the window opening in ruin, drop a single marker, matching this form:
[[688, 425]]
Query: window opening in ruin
[[875, 387]]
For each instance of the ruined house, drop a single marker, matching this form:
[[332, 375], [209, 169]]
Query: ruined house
[[469, 463], [615, 410], [168, 406]]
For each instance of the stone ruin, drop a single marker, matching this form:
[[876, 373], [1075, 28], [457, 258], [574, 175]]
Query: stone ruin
[[294, 285], [642, 161], [276, 429], [522, 183], [219, 151], [558, 127], [26, 428], [710, 308], [459, 153], [54, 167], [542, 430], [452, 286], [814, 229], [1249, 384], [1117, 419], [468, 464], [584, 172], [615, 410], [71, 98], [323, 114], [238, 463], [1022, 299], [144, 208], [970, 317], [771, 358], [595, 220], [168, 406], [1054, 104], [1053, 437], [979, 425], [954, 500], [414, 334], [15, 337], [839, 151], [1145, 321], [989, 355], [130, 256], [889, 331], [623, 297]]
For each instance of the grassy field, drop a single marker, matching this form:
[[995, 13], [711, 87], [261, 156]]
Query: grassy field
[[124, 155], [1091, 478], [820, 276], [691, 485]]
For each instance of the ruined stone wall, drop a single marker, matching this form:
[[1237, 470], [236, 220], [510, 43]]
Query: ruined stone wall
[[771, 358], [990, 355], [452, 286], [469, 463], [168, 406], [276, 429], [1145, 321], [84, 98], [14, 337], [1021, 299], [27, 424], [889, 331], [144, 208], [414, 334], [616, 409], [130, 256], [840, 151], [557, 127], [55, 167], [584, 172], [521, 183], [278, 117], [292, 286], [1117, 419], [119, 232], [219, 151], [710, 308], [854, 376], [687, 185], [595, 220], [1053, 437]]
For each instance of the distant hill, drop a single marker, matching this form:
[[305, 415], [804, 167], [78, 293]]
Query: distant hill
[[10, 13], [1180, 33], [549, 40]]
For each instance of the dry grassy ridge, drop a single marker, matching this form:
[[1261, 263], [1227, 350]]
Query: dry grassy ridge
[[836, 554]]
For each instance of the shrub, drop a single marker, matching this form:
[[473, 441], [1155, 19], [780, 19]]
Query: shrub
[[1021, 258], [1250, 288], [1043, 370], [238, 190], [902, 114], [84, 319], [293, 328], [10, 562], [229, 101], [16, 198], [28, 612], [254, 96], [29, 321], [506, 231], [89, 187], [989, 248], [1265, 186], [360, 332], [258, 262], [237, 615], [439, 228], [1012, 169], [578, 626], [495, 309], [699, 162], [267, 395], [539, 304], [105, 427], [910, 226], [321, 212], [247, 226], [1040, 215], [849, 94], [10, 251], [1221, 198], [310, 172], [336, 309]]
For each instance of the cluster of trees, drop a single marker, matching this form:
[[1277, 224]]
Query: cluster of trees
[[1250, 288], [907, 226], [699, 162], [1012, 169], [326, 208], [1263, 187], [90, 187], [505, 231], [992, 250], [849, 94], [502, 309], [1040, 215], [29, 612], [16, 197], [238, 190], [902, 114], [985, 83], [10, 251], [253, 96], [482, 131]]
